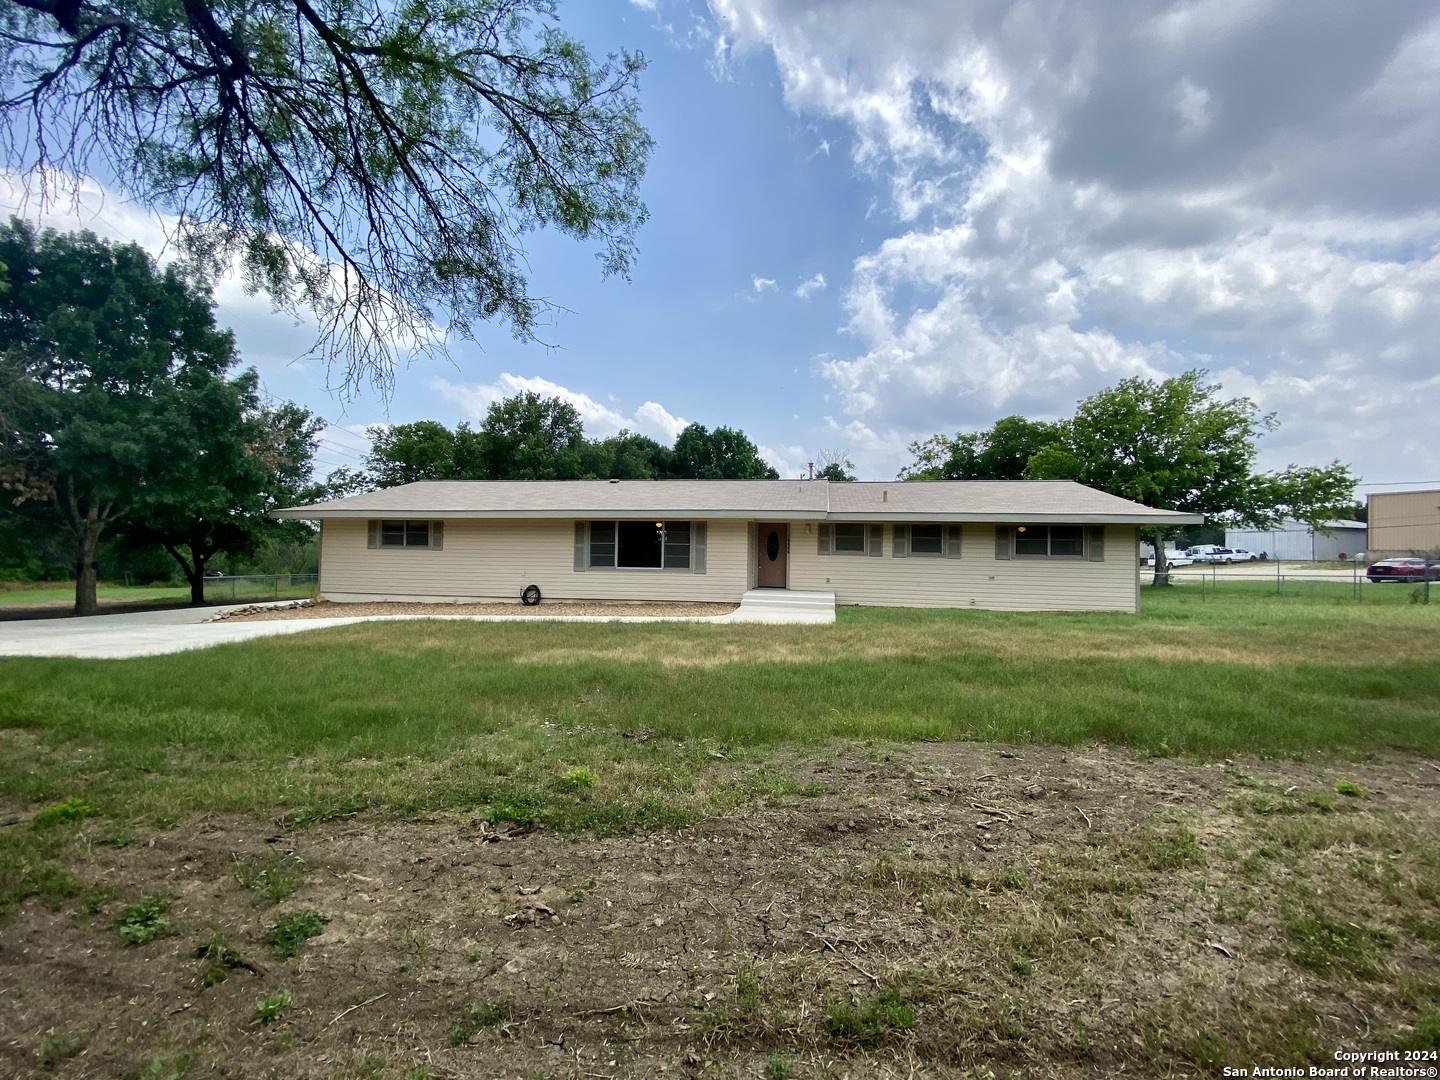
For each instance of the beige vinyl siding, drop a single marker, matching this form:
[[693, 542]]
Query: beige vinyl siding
[[977, 579], [495, 560], [1403, 523]]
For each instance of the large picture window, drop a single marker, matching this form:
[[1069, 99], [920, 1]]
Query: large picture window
[[1050, 541], [641, 545]]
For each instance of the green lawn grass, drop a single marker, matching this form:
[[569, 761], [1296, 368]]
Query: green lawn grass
[[217, 591], [22, 596], [409, 717]]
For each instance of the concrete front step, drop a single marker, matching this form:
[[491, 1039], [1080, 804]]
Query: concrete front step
[[778, 606]]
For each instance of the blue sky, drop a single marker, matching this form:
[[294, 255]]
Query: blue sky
[[874, 221]]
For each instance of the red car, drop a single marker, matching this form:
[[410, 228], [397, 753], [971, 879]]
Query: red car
[[1403, 570]]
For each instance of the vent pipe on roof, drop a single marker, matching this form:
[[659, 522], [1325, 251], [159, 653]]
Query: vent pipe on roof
[[885, 496]]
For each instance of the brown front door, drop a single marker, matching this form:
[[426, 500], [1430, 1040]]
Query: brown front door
[[774, 555]]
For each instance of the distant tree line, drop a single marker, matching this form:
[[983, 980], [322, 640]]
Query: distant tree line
[[530, 437], [124, 424]]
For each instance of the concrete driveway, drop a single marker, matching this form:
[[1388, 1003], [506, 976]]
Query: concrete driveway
[[154, 633], [139, 633]]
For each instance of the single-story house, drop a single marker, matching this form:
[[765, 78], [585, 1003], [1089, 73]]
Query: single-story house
[[1017, 545], [1297, 541]]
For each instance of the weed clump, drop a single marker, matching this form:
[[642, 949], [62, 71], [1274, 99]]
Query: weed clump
[[293, 930], [869, 1024], [1352, 789], [219, 960], [480, 1016], [145, 921], [272, 1008], [72, 809], [581, 779], [274, 879]]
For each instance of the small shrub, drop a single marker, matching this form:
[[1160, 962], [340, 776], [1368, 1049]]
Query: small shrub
[[1352, 789], [1022, 965], [778, 1068], [581, 779], [292, 931], [145, 921], [871, 1023], [118, 840], [72, 809], [272, 1008]]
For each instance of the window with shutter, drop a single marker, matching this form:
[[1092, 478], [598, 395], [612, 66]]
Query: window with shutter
[[1097, 543], [954, 536], [437, 536], [582, 546], [374, 540], [927, 539], [823, 541], [899, 548], [1002, 541], [877, 541], [698, 537]]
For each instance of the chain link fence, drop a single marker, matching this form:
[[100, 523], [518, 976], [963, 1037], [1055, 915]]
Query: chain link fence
[[1290, 580], [243, 588]]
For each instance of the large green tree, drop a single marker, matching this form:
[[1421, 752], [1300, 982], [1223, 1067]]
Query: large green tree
[[109, 350], [373, 160], [1002, 452], [722, 454], [425, 450], [1177, 444], [530, 437], [232, 460]]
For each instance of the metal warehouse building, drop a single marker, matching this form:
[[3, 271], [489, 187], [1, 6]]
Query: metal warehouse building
[[1297, 541], [1404, 522]]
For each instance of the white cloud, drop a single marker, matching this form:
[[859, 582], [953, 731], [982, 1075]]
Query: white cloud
[[651, 418], [789, 461], [762, 284], [1083, 193], [810, 287]]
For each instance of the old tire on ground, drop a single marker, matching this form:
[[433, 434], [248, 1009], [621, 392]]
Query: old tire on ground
[[531, 596]]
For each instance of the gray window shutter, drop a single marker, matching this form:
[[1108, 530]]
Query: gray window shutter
[[953, 535], [1097, 543], [582, 545], [901, 544], [1002, 541], [374, 541], [697, 547], [877, 541], [824, 543], [437, 535]]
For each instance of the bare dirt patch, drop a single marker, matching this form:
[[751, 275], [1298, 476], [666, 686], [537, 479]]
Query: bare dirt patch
[[941, 910], [324, 609]]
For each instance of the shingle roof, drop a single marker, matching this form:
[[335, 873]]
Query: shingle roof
[[948, 500]]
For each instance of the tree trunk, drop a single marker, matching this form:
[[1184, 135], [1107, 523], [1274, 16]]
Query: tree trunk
[[193, 568], [1162, 568], [87, 542], [86, 526]]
